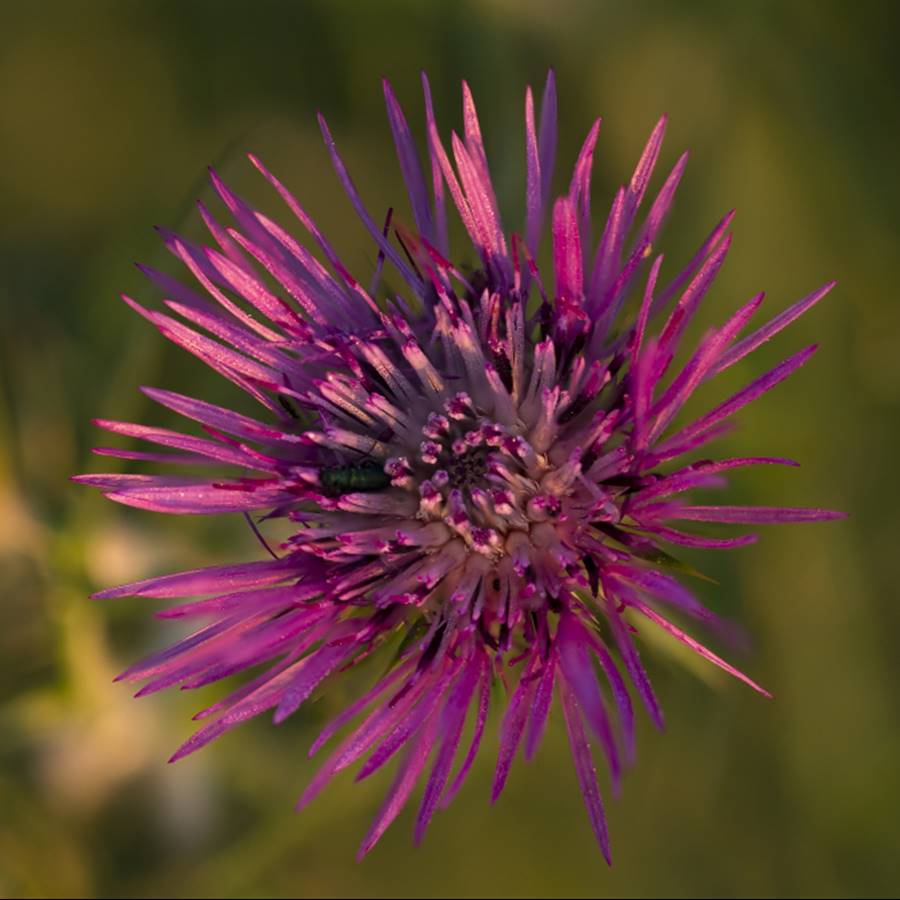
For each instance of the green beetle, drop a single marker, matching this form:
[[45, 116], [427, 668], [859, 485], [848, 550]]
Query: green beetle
[[366, 476]]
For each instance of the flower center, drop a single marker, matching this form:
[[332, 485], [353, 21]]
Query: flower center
[[484, 481], [468, 470]]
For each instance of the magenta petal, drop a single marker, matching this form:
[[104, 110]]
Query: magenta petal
[[579, 675], [453, 718], [621, 698], [361, 211], [216, 416], [484, 697], [769, 330], [540, 710], [547, 135], [644, 169], [662, 204], [636, 670], [699, 365], [245, 690], [409, 163], [690, 300], [263, 698], [584, 767], [182, 459], [750, 393], [755, 515], [607, 256], [534, 199], [469, 463], [511, 731], [666, 590], [440, 212], [673, 536], [207, 581], [482, 206], [684, 478], [356, 708], [407, 775], [567, 251], [158, 662], [202, 499], [305, 680], [211, 449], [475, 147], [580, 189], [407, 727], [696, 646], [375, 726], [697, 260], [646, 307]]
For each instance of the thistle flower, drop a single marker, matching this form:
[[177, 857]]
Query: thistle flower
[[482, 467]]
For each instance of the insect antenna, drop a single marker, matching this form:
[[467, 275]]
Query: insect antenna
[[379, 264], [376, 442], [409, 256], [259, 535]]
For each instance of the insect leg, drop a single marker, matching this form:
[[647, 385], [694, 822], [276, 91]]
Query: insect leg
[[259, 536]]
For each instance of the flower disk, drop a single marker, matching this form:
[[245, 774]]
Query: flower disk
[[481, 468]]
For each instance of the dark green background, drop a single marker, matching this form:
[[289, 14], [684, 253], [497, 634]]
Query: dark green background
[[109, 113]]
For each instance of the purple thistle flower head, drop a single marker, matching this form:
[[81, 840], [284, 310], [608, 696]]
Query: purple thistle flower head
[[486, 463]]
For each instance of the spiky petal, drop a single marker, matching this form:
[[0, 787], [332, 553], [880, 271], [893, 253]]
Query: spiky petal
[[496, 486]]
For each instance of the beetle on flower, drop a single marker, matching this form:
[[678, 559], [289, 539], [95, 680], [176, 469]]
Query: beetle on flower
[[484, 465]]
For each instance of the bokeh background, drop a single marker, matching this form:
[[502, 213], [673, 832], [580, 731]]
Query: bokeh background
[[109, 112]]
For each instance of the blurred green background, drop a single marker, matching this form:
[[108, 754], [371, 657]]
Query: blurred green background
[[109, 113]]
